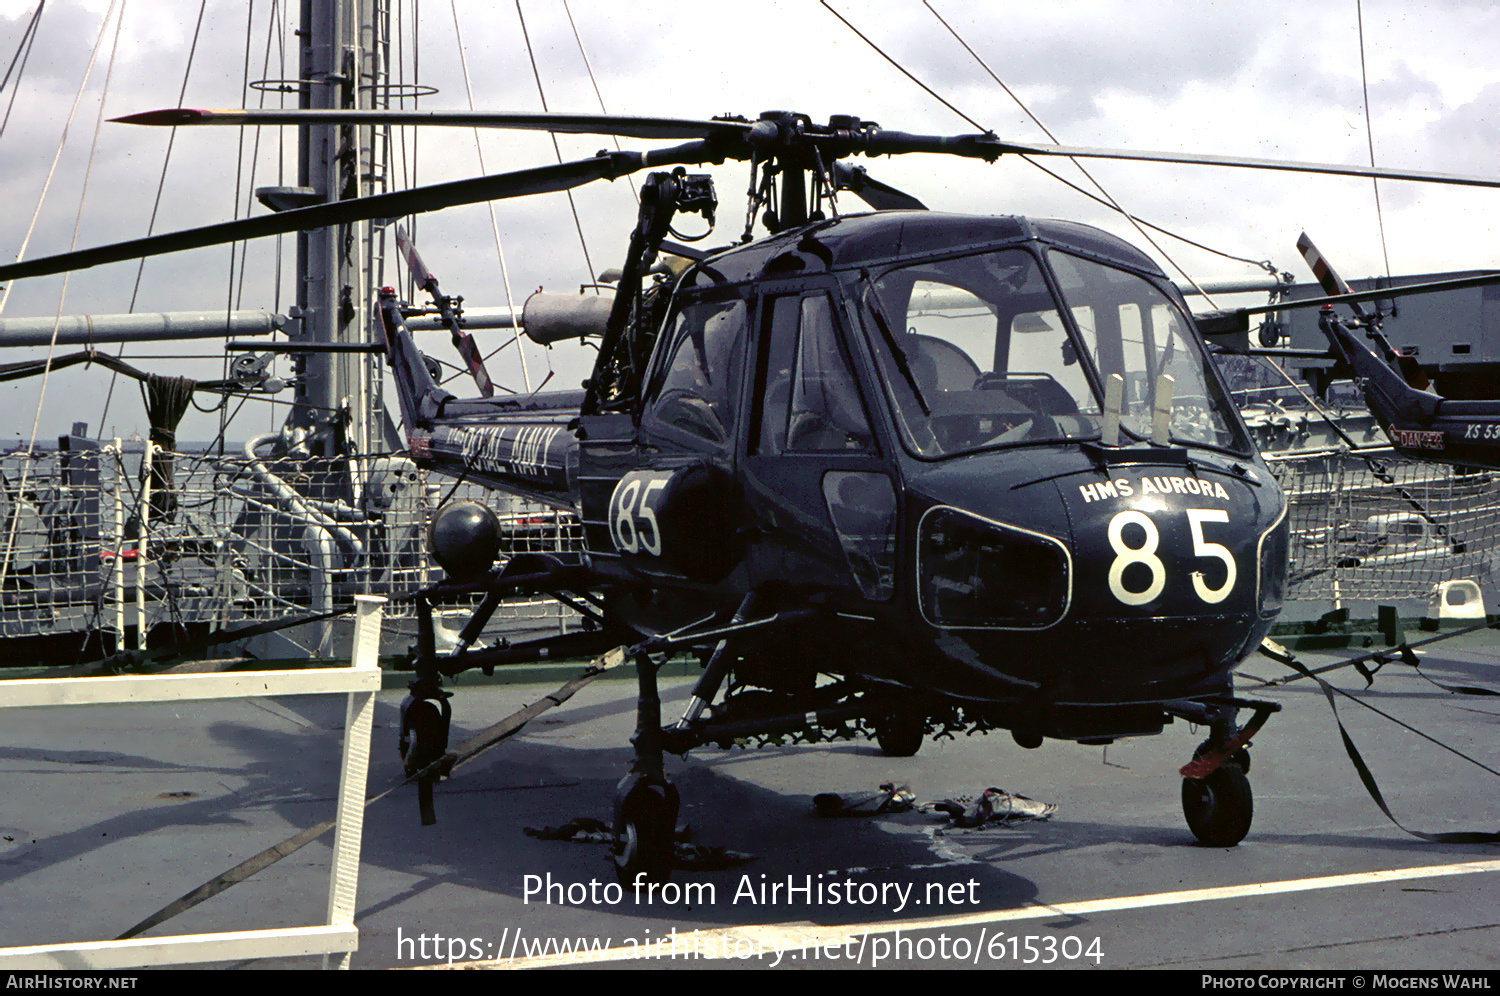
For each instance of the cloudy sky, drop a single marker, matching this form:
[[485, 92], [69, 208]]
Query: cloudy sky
[[1255, 79]]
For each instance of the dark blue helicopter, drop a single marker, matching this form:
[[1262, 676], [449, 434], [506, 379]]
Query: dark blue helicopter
[[973, 472], [905, 470]]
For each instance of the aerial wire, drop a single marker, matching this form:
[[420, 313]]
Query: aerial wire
[[23, 54], [510, 300], [10, 539], [1113, 203], [238, 249], [57, 157], [398, 155], [265, 67], [1110, 203], [1364, 81], [556, 148], [930, 91], [597, 95], [161, 182], [24, 44]]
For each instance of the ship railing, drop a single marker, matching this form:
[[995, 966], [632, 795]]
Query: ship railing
[[92, 560], [1354, 535]]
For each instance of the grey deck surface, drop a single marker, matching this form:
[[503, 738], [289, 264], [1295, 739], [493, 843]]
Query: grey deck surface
[[112, 812]]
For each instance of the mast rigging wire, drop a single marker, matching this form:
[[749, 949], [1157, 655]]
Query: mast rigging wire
[[57, 157], [1135, 222], [237, 249], [597, 95], [23, 54], [161, 182], [1108, 196], [10, 539], [510, 301], [556, 148], [1364, 81]]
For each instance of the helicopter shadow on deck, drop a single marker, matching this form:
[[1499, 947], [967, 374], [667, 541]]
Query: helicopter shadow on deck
[[787, 839]]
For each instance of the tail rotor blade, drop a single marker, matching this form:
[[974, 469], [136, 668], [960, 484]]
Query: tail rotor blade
[[414, 263], [1332, 284], [462, 340]]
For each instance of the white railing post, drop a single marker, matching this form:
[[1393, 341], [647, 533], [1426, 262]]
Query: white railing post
[[142, 518], [364, 654]]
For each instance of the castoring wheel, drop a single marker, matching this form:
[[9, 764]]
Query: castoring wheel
[[900, 734], [643, 835], [1219, 808]]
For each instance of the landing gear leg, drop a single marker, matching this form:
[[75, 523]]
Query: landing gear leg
[[1219, 805], [425, 716], [645, 802]]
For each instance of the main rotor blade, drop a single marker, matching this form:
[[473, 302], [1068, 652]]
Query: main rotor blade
[[880, 196], [1380, 173], [545, 179], [569, 124]]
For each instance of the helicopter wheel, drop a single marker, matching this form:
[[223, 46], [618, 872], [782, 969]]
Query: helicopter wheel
[[900, 734], [1219, 808], [643, 834]]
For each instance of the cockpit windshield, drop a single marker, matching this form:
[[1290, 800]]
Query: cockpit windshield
[[975, 354], [1131, 328]]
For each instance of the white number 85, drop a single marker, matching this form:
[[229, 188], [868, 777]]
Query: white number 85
[[1146, 554]]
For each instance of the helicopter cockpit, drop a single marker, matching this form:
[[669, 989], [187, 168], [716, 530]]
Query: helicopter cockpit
[[976, 353]]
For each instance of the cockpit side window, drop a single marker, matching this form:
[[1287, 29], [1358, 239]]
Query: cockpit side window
[[826, 413], [810, 398], [697, 390]]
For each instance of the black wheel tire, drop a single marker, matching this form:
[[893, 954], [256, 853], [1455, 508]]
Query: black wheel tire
[[428, 735], [644, 837], [901, 734], [1219, 808]]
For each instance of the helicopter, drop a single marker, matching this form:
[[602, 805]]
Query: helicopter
[[1421, 425], [901, 470]]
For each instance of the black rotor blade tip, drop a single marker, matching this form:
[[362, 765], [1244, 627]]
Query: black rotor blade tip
[[166, 116]]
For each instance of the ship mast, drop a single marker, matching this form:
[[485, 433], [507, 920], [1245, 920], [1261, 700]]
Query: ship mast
[[341, 68]]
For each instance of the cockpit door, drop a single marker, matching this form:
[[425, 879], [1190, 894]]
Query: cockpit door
[[816, 486]]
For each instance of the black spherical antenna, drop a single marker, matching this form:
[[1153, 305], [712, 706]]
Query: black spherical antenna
[[464, 537]]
